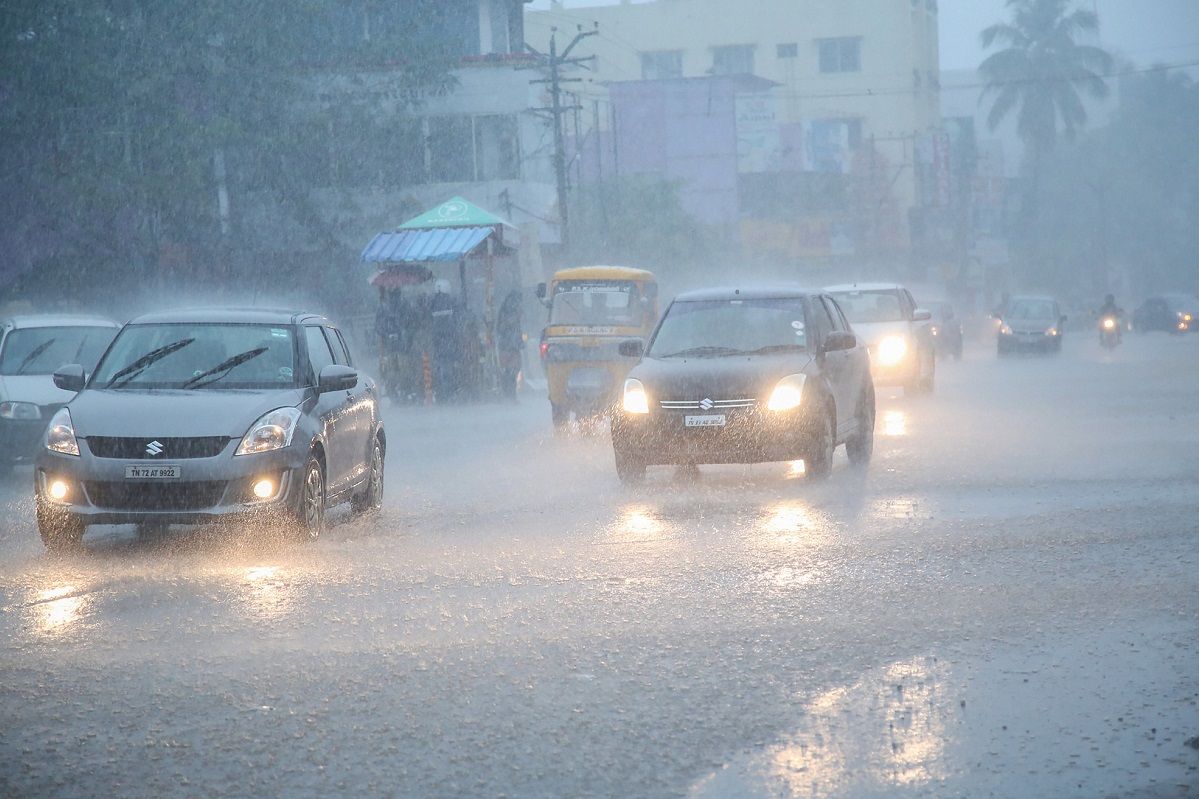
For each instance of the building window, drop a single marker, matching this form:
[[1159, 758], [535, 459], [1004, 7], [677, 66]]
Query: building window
[[788, 50], [843, 54], [662, 64], [497, 150], [737, 59], [451, 149]]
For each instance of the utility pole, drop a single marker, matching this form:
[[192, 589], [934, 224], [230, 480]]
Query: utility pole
[[554, 62]]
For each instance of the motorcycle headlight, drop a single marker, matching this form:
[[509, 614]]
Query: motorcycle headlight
[[788, 394], [1052, 331], [24, 411], [635, 399], [1004, 330], [891, 350], [272, 431], [60, 434]]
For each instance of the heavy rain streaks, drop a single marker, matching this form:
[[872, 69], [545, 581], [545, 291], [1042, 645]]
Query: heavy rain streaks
[[582, 398]]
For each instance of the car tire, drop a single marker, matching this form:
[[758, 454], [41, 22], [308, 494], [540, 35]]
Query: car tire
[[371, 497], [629, 468], [860, 447], [818, 462], [560, 416], [61, 532], [309, 520]]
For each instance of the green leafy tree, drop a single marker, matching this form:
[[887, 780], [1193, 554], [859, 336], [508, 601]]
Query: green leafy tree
[[1041, 76]]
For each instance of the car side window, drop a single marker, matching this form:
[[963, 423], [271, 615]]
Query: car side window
[[319, 354], [834, 313], [819, 323], [345, 348], [340, 355]]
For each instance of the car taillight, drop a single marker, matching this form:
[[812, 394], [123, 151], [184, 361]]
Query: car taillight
[[545, 350]]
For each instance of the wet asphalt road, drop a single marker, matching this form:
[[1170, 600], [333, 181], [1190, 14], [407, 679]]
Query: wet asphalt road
[[1005, 604]]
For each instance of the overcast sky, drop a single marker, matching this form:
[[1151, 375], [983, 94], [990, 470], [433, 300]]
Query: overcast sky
[[1145, 31]]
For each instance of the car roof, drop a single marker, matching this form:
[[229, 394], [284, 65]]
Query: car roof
[[781, 292], [846, 287], [262, 316], [59, 320]]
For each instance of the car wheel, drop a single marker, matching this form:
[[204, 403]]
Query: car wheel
[[60, 531], [629, 468], [560, 416], [310, 514], [861, 446], [819, 461], [371, 497]]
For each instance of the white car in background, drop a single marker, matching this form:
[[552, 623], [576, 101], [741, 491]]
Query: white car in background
[[897, 333], [31, 348]]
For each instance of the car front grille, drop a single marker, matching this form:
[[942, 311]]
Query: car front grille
[[173, 496], [169, 448], [698, 405]]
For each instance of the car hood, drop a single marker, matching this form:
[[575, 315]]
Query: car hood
[[871, 333], [738, 377], [1034, 325], [177, 414], [39, 389]]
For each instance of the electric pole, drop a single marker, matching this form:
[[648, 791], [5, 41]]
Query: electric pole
[[554, 62]]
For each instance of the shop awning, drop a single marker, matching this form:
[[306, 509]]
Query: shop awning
[[415, 246]]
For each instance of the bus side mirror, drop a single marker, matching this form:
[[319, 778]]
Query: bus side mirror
[[541, 291]]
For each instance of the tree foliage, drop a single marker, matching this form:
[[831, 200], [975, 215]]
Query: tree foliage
[[124, 119]]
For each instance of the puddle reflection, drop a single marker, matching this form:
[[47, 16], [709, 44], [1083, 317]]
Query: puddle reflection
[[267, 591], [884, 731], [55, 610], [894, 424]]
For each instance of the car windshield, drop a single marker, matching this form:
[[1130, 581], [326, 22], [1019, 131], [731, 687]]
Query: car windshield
[[199, 356], [1032, 309], [41, 350], [711, 328], [595, 304], [870, 306]]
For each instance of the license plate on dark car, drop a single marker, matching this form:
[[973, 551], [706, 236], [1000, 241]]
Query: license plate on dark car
[[156, 472], [707, 420]]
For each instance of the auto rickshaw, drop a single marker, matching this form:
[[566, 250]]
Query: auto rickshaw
[[592, 309]]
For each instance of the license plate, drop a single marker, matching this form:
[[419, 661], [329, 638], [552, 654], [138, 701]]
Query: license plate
[[156, 472], [710, 420]]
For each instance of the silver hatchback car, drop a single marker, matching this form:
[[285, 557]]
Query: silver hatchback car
[[210, 415]]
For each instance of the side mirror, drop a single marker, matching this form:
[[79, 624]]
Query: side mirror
[[336, 377], [634, 348], [921, 315], [541, 291], [840, 340], [70, 377], [1063, 320], [651, 291]]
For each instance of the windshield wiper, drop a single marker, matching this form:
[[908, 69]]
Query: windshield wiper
[[776, 348], [33, 353], [701, 352], [141, 364], [223, 368]]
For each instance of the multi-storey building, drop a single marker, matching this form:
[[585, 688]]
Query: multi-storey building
[[857, 94]]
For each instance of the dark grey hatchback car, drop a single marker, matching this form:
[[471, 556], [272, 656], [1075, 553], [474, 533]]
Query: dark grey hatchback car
[[746, 376], [208, 415]]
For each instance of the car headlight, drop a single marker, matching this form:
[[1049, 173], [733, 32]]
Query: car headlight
[[1109, 325], [635, 399], [788, 394], [891, 350], [1004, 330], [25, 411], [60, 434], [272, 431]]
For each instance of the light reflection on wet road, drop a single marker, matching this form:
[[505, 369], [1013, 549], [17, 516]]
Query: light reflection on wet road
[[517, 623]]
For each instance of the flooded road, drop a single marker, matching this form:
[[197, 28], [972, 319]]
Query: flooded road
[[1006, 603]]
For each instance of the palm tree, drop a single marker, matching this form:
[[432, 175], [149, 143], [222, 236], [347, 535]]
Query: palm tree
[[1042, 74]]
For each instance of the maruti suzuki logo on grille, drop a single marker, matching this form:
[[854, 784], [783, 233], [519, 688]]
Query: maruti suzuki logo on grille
[[706, 404], [154, 448]]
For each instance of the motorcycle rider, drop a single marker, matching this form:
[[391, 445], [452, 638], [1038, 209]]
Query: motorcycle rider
[[1109, 308]]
